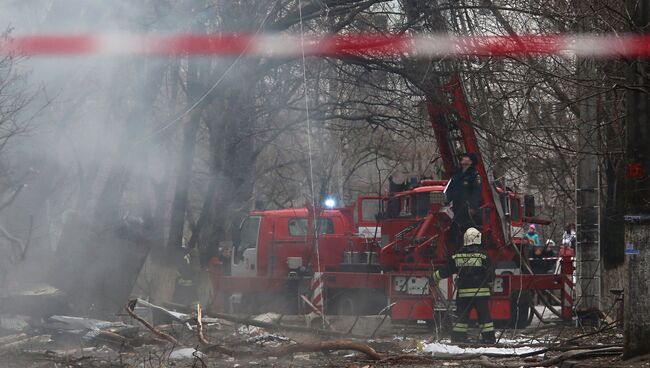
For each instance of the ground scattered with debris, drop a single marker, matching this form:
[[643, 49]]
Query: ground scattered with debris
[[187, 339]]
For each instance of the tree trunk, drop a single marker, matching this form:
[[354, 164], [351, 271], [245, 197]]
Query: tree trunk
[[183, 179], [637, 197], [91, 245], [195, 90], [234, 161], [168, 260], [637, 293]]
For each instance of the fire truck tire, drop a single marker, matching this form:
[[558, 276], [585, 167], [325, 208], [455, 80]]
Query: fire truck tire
[[346, 305], [354, 302], [520, 309]]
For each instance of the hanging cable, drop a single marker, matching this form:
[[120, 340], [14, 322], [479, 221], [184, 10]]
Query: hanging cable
[[309, 148], [212, 88]]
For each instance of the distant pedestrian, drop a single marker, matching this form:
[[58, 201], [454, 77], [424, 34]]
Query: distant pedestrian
[[549, 256], [569, 238], [533, 237], [537, 263], [566, 251]]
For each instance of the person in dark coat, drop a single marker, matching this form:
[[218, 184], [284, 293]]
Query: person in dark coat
[[464, 192], [550, 256], [537, 263]]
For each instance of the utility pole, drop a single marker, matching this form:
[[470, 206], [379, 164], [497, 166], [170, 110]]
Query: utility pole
[[637, 195]]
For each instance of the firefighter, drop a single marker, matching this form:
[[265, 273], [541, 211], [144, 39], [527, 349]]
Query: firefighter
[[464, 192], [475, 274]]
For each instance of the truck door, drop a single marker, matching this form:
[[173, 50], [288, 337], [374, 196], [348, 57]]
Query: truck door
[[244, 261], [367, 216], [294, 238]]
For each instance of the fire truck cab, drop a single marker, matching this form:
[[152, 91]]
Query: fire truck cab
[[276, 244]]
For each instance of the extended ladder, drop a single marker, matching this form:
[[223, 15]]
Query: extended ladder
[[588, 259]]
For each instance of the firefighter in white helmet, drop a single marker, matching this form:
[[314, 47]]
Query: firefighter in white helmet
[[475, 273]]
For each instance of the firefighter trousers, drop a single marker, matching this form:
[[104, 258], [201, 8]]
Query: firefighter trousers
[[464, 306]]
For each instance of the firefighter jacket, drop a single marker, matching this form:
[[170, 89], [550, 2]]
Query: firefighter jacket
[[465, 190], [474, 270]]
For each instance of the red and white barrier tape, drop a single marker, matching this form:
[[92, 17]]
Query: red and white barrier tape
[[288, 46], [317, 291], [568, 290], [567, 294]]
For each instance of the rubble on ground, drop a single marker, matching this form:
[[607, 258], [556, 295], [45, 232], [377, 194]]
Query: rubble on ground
[[133, 340]]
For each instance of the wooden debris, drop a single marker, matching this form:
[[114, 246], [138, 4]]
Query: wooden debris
[[111, 337], [129, 309], [329, 345], [199, 329], [280, 327], [66, 360], [17, 344], [222, 350], [326, 346], [573, 354], [12, 338]]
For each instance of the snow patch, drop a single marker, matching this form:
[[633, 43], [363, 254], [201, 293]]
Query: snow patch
[[185, 353], [440, 348]]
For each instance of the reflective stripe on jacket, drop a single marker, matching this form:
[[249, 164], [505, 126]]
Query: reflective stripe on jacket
[[474, 270]]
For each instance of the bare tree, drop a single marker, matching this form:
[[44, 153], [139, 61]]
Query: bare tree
[[14, 98]]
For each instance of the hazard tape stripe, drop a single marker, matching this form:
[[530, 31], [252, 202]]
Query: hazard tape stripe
[[568, 295], [287, 45], [317, 291]]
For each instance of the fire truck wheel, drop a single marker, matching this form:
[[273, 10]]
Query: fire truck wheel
[[519, 309], [345, 305], [356, 302]]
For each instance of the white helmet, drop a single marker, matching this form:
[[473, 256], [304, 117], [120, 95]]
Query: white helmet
[[472, 236]]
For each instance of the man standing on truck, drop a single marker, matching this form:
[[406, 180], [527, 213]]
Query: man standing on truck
[[475, 273], [464, 192]]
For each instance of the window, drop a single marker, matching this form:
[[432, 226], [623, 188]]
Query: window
[[405, 203], [437, 198], [370, 208], [422, 204], [248, 235], [393, 207], [515, 213], [298, 226]]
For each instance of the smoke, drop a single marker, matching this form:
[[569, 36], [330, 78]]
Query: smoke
[[104, 136], [91, 155]]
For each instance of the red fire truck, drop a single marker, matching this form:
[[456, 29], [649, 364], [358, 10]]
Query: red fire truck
[[377, 255]]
